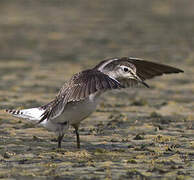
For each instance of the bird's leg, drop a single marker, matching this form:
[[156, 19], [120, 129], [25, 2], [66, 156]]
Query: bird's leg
[[60, 138], [77, 135]]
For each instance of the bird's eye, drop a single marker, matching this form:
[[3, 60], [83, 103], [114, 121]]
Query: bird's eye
[[126, 69]]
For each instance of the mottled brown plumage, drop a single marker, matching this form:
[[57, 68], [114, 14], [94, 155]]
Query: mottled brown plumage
[[80, 86], [78, 98]]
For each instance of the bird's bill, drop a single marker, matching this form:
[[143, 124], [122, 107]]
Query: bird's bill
[[141, 81], [145, 84]]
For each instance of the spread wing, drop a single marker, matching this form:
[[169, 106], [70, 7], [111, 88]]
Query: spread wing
[[78, 88], [147, 70], [144, 69]]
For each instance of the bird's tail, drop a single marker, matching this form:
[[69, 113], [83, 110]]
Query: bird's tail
[[32, 114]]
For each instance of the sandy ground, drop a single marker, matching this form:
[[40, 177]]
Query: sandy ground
[[134, 134]]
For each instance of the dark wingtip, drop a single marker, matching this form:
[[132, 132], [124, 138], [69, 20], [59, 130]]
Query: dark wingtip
[[181, 71], [177, 70]]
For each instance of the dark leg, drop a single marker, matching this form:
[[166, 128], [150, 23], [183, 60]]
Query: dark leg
[[77, 136], [60, 138]]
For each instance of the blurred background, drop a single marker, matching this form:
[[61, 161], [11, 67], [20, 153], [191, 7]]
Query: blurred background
[[61, 30], [42, 39], [43, 43]]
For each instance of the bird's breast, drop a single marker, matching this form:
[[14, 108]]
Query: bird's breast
[[76, 111]]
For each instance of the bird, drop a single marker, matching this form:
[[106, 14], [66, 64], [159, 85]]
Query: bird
[[79, 96]]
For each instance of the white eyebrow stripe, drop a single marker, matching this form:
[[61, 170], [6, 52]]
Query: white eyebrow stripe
[[103, 65], [123, 66], [133, 58], [130, 69]]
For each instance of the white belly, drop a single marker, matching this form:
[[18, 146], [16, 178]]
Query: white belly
[[76, 111], [73, 113]]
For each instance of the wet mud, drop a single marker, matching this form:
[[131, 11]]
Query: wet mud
[[137, 133]]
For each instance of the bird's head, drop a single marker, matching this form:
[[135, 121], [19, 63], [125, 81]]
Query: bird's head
[[129, 70], [123, 71]]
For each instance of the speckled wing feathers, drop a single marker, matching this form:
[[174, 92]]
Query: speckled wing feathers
[[78, 88], [88, 82]]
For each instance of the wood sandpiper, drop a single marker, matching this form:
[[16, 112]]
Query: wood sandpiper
[[78, 97]]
